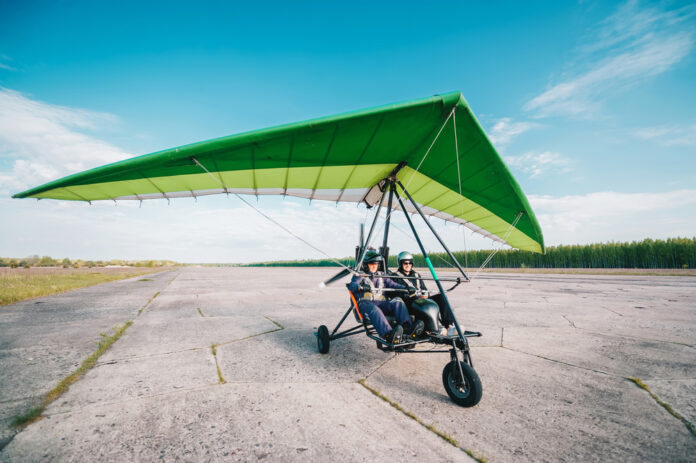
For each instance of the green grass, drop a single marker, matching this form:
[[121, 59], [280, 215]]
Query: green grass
[[664, 405], [148, 302], [29, 417], [221, 380], [20, 284], [104, 343]]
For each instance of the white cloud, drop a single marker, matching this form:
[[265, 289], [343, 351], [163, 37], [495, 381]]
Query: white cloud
[[535, 164], [675, 135], [41, 142], [630, 47], [44, 141], [505, 129], [3, 63], [612, 216]]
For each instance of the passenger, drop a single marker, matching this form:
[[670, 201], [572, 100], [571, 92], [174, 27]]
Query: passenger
[[371, 302], [405, 260]]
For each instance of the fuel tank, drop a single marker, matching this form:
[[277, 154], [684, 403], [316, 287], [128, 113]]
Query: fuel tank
[[426, 310]]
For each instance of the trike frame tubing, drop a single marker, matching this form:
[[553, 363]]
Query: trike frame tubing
[[369, 234], [427, 222], [346, 333], [341, 322], [425, 255], [387, 221]]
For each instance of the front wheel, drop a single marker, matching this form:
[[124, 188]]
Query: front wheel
[[465, 391], [323, 339]]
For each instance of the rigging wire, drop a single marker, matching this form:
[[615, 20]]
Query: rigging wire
[[466, 250], [410, 179], [495, 251], [430, 253], [431, 146], [275, 221], [459, 179], [291, 233]]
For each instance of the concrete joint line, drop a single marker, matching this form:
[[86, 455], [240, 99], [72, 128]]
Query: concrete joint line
[[626, 336], [213, 348], [612, 311], [563, 363], [380, 366], [158, 293], [665, 405], [140, 357], [447, 438], [570, 321], [134, 399], [36, 412], [279, 328]]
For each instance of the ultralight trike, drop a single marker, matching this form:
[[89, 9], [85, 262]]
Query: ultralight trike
[[459, 377]]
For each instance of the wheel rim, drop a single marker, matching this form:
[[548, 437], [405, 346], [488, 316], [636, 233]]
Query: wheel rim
[[460, 388]]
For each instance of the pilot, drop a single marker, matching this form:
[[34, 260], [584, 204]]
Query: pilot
[[371, 302], [405, 260]]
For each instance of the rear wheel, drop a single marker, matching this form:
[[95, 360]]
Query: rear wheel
[[464, 391], [323, 339]]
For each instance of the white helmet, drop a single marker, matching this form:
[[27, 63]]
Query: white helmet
[[404, 255]]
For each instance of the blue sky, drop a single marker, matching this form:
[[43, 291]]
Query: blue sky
[[591, 104]]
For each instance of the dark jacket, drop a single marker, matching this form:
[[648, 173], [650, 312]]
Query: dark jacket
[[419, 283], [376, 280]]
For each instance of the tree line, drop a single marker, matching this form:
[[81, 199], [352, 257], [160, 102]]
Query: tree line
[[646, 254], [48, 261]]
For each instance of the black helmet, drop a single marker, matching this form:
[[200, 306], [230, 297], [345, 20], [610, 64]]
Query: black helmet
[[372, 256], [404, 255]]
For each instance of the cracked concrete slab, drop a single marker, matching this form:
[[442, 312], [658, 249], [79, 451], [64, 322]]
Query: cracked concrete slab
[[42, 340], [679, 393], [645, 359], [555, 392], [141, 377], [291, 356], [536, 410], [177, 334], [235, 422]]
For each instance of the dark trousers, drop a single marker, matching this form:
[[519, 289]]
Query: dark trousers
[[445, 316], [377, 310]]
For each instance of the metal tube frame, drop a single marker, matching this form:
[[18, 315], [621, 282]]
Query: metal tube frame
[[465, 346], [387, 221], [427, 222], [457, 344], [369, 234]]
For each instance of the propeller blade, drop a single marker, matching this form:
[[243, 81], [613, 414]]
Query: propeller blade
[[338, 276]]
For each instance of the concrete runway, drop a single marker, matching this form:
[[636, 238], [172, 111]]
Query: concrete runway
[[554, 361]]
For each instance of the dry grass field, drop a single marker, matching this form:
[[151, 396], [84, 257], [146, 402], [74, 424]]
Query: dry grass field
[[17, 284]]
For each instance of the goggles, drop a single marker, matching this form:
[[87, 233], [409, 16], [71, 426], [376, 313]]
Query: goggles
[[406, 262]]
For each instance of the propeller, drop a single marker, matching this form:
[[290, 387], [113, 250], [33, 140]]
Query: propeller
[[336, 277]]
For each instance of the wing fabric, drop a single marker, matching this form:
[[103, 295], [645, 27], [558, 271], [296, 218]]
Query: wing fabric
[[336, 158]]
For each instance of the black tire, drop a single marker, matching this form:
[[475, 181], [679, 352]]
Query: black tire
[[467, 393], [323, 339]]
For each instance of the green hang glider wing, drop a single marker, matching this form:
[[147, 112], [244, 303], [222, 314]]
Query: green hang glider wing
[[452, 169]]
